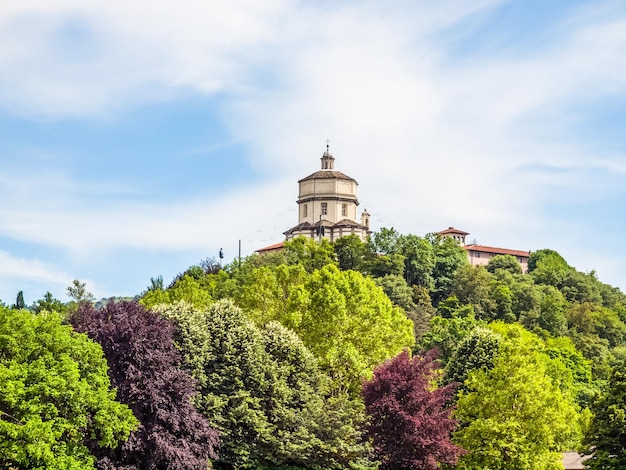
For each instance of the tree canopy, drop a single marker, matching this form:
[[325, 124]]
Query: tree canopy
[[144, 368], [518, 414], [410, 422], [263, 390], [56, 400]]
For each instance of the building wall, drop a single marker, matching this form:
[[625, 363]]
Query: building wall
[[481, 258], [334, 193]]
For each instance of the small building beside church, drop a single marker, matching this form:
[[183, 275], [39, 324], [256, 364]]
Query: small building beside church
[[479, 255]]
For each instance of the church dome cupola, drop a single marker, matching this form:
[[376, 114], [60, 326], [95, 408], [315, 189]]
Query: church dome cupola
[[327, 204], [328, 161]]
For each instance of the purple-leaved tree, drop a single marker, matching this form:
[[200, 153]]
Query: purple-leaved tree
[[143, 366], [410, 422]]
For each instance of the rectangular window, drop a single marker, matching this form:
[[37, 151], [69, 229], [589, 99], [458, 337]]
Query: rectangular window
[[324, 208], [344, 210], [305, 211]]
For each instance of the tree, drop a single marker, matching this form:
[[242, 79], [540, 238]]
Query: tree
[[423, 311], [78, 292], [187, 288], [477, 351], [578, 287], [548, 267], [419, 260], [49, 304], [540, 306], [274, 293], [472, 285], [351, 325], [446, 334], [344, 318], [156, 283], [385, 265], [350, 251], [19, 301], [506, 262], [56, 400], [386, 241], [449, 258], [517, 414], [144, 368], [397, 290], [410, 421], [590, 319], [309, 253], [264, 391], [606, 437]]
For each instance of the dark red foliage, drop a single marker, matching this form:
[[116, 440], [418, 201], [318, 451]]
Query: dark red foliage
[[143, 366], [410, 422]]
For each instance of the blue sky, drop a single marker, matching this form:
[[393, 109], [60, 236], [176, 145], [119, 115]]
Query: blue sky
[[137, 139]]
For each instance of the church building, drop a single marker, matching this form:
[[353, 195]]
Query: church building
[[327, 206]]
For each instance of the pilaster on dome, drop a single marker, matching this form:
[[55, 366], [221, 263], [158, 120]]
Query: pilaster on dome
[[328, 161]]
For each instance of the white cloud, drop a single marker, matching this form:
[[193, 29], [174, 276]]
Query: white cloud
[[434, 140], [27, 273]]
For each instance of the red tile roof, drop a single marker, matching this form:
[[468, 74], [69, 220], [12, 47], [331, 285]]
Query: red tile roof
[[274, 247], [453, 230], [497, 251]]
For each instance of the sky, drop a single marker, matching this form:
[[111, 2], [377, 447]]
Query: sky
[[139, 138]]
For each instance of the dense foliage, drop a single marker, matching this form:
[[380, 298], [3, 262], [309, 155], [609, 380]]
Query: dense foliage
[[262, 388], [144, 368], [280, 346], [56, 401], [607, 434], [519, 413], [410, 422]]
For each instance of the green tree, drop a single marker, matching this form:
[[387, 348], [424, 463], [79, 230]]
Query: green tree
[[449, 258], [423, 311], [544, 308], [477, 351], [309, 253], [49, 304], [19, 301], [505, 262], [583, 387], [385, 265], [591, 319], [274, 293], [351, 325], [548, 267], [55, 395], [386, 241], [188, 288], [351, 252], [419, 260], [343, 317], [578, 287], [264, 391], [606, 437], [516, 415], [472, 285], [397, 290], [78, 292], [446, 334]]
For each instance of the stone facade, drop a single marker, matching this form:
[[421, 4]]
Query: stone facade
[[328, 205]]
